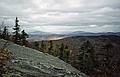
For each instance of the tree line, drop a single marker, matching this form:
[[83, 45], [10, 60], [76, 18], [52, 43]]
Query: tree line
[[58, 50], [17, 36], [89, 62], [97, 64]]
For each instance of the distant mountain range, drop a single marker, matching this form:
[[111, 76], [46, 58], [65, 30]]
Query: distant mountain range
[[39, 35], [81, 33]]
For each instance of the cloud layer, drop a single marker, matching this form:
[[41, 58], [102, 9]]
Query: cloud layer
[[85, 15]]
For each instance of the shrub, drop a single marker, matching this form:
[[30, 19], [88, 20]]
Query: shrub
[[5, 56]]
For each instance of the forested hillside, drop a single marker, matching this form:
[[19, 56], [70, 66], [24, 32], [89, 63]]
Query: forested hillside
[[99, 53]]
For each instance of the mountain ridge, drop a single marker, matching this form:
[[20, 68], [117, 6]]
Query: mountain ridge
[[38, 35]]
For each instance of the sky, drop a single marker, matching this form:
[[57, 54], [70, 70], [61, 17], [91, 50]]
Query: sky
[[58, 16]]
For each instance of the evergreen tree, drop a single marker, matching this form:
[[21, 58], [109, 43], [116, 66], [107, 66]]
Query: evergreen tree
[[5, 34], [24, 35], [66, 53], [16, 36], [43, 47], [61, 50], [1, 26], [107, 47], [50, 48], [0, 34], [107, 62], [36, 45], [56, 50], [86, 57]]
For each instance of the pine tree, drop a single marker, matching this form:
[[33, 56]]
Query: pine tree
[[24, 35], [86, 57], [1, 26], [107, 47], [0, 33], [107, 62], [56, 50], [50, 49], [16, 36], [61, 50], [5, 34], [43, 47], [36, 45], [66, 53]]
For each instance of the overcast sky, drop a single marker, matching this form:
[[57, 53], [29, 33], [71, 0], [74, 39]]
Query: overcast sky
[[62, 15]]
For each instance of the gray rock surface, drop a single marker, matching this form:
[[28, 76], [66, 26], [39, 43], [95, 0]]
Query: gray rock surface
[[32, 63]]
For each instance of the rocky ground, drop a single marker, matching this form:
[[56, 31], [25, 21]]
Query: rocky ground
[[28, 62]]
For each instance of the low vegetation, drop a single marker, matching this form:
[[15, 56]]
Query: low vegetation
[[5, 56]]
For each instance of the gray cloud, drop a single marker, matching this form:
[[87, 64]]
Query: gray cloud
[[35, 13]]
